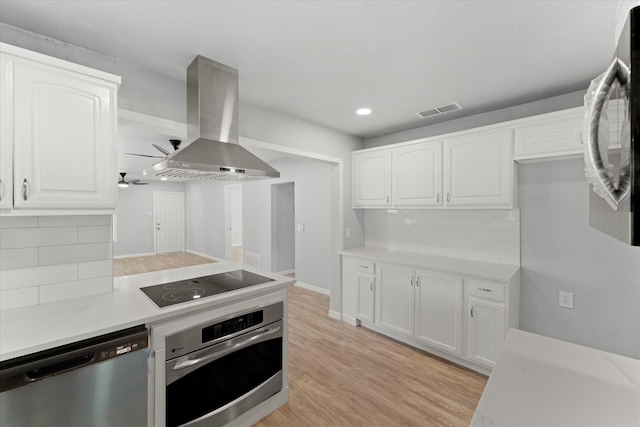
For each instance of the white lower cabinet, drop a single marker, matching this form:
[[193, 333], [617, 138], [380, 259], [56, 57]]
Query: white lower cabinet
[[486, 330], [421, 304], [438, 308], [460, 318]]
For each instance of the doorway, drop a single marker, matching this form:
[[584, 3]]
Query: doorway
[[283, 247], [169, 222], [233, 222]]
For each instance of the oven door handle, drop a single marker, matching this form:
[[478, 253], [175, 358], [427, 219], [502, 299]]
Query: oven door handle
[[261, 335]]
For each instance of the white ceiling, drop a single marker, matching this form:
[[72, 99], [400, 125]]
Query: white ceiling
[[322, 60]]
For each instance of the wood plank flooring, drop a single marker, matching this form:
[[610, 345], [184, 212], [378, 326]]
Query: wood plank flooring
[[342, 375], [146, 264]]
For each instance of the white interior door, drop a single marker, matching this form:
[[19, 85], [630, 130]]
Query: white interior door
[[169, 222]]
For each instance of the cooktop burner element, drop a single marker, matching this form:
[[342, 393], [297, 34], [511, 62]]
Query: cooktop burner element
[[171, 293]]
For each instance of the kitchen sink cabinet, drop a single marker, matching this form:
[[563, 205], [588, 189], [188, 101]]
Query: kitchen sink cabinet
[[478, 170], [59, 123], [372, 179]]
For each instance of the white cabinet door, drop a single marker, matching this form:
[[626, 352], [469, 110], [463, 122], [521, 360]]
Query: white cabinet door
[[6, 132], [478, 170], [349, 289], [372, 179], [417, 175], [63, 136], [486, 330], [395, 298], [550, 134], [366, 300], [439, 310]]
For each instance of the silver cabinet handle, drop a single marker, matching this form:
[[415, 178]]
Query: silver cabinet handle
[[387, 199], [364, 266], [438, 198], [0, 189], [485, 290], [417, 281], [411, 280], [371, 286], [471, 311], [24, 189], [448, 197]]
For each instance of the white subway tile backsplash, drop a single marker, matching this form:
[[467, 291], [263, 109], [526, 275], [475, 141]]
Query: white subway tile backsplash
[[17, 298], [486, 235], [91, 269], [18, 221], [74, 220], [32, 237], [53, 258], [74, 253], [18, 258], [95, 234], [75, 289], [25, 277]]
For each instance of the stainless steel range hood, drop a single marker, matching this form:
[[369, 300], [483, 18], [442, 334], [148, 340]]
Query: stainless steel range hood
[[212, 124]]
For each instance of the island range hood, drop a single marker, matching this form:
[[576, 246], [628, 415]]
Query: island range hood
[[212, 124]]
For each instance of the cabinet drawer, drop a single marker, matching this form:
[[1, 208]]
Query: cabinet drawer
[[488, 290], [367, 267]]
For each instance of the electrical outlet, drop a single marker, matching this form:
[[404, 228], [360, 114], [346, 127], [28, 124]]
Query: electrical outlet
[[565, 299]]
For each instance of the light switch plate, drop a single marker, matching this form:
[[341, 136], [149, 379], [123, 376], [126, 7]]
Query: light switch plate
[[565, 299]]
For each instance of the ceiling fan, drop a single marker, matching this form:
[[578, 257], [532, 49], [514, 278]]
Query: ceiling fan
[[124, 184], [175, 143]]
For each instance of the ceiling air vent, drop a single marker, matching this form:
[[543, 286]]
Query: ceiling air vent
[[440, 110]]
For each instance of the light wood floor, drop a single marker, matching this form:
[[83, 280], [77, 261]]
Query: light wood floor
[[342, 375], [146, 264]]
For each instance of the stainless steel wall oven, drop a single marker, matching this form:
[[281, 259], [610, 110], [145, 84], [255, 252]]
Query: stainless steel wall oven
[[221, 368]]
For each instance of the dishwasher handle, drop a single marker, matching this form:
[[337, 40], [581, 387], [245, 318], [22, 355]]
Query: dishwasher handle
[[59, 368]]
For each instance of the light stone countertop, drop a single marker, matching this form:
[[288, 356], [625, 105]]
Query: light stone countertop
[[462, 267], [540, 381], [31, 329]]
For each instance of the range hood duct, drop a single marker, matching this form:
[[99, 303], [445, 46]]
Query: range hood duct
[[212, 124]]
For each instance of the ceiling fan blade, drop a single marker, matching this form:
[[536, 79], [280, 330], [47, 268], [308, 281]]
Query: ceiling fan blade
[[144, 155], [137, 182], [162, 150]]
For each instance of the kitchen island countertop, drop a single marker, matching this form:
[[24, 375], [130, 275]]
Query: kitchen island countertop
[[31, 329], [540, 381]]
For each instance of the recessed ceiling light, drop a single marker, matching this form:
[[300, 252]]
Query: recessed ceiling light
[[164, 178], [363, 111]]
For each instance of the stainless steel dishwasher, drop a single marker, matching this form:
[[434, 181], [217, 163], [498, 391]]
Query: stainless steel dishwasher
[[96, 382]]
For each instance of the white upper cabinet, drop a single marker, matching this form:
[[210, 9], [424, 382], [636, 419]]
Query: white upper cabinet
[[6, 131], [61, 121], [550, 134], [416, 172], [478, 170], [372, 179]]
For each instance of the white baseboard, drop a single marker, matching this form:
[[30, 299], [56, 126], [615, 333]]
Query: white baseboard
[[335, 314], [133, 255], [348, 319], [313, 288], [205, 255], [285, 272]]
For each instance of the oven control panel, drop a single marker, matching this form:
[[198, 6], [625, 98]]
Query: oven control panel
[[232, 326]]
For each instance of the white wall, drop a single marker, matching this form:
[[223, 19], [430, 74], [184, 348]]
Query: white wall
[[561, 252], [236, 214], [204, 217], [135, 227], [312, 206], [283, 227]]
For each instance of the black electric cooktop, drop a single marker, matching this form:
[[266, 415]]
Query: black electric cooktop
[[201, 287]]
